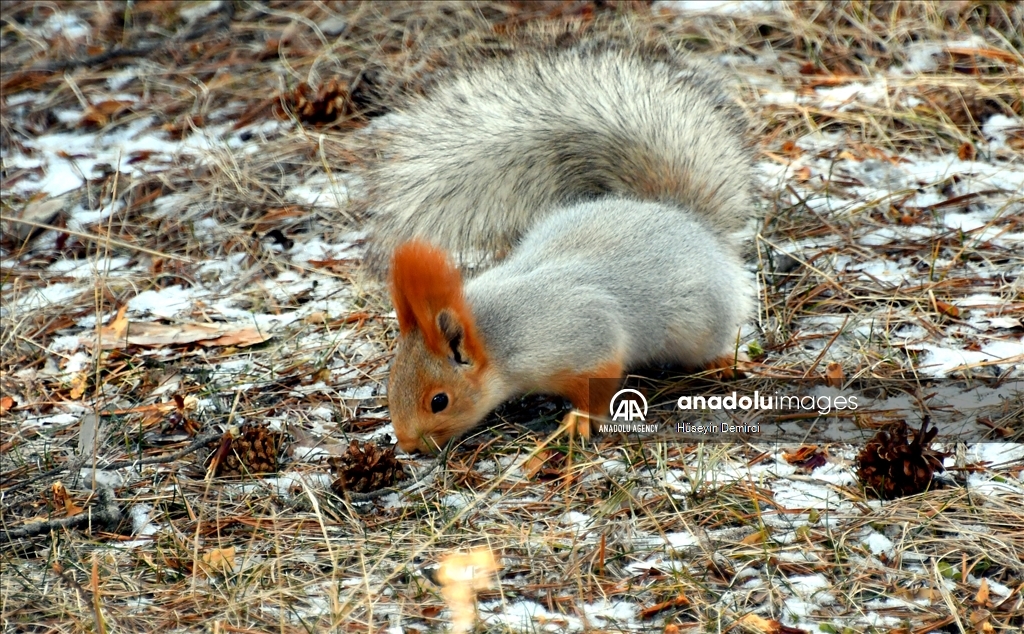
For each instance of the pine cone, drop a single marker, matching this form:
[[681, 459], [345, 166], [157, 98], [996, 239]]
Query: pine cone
[[328, 103], [364, 469], [255, 450], [890, 467]]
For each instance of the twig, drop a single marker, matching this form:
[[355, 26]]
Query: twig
[[121, 464], [105, 513], [197, 30], [95, 238]]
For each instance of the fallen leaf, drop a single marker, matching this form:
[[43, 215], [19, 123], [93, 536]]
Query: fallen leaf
[[338, 265], [79, 383], [966, 151], [990, 53], [6, 404], [242, 338], [980, 621], [461, 576], [62, 500], [946, 308], [535, 462], [219, 561], [101, 113], [981, 598], [791, 149], [26, 80], [150, 334], [678, 602], [88, 428], [44, 212], [119, 324], [807, 457], [834, 374], [274, 217], [755, 623]]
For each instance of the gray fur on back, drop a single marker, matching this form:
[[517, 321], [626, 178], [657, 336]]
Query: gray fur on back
[[497, 147], [612, 277]]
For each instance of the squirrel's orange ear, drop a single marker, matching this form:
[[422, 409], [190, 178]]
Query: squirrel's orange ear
[[426, 289]]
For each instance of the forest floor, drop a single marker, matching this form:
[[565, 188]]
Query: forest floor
[[180, 266]]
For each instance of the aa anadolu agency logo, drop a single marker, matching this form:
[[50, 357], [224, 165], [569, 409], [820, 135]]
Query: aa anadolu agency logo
[[627, 409]]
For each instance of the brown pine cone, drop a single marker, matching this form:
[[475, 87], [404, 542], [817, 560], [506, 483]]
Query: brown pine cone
[[364, 469], [254, 450], [329, 102], [890, 467]]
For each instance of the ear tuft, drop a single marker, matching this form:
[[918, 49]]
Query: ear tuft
[[425, 283]]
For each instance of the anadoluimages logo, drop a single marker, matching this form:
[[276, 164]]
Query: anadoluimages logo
[[627, 409]]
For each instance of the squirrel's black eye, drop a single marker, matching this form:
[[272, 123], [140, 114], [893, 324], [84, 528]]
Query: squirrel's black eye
[[439, 402]]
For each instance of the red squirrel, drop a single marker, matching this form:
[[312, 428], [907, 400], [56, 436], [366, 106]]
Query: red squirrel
[[616, 178]]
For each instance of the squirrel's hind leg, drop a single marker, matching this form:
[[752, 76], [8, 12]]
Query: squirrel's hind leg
[[728, 366], [590, 392]]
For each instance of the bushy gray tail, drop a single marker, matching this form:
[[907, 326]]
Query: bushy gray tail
[[497, 146]]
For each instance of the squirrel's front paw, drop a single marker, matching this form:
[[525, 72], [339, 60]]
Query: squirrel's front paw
[[728, 367], [577, 421]]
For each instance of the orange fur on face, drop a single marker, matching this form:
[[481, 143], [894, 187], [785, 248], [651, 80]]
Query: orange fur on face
[[424, 281], [439, 351]]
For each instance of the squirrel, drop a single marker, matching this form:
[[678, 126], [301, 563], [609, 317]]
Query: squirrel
[[615, 177]]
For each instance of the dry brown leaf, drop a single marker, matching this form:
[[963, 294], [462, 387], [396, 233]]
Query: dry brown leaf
[[982, 597], [807, 457], [240, 338], [6, 404], [834, 374], [341, 265], [44, 212], [219, 561], [26, 80], [119, 324], [980, 621], [755, 623], [754, 538], [678, 602], [461, 576], [101, 113], [183, 125], [966, 151], [275, 217], [62, 500], [946, 308], [990, 53], [151, 334], [791, 149], [534, 463], [79, 383]]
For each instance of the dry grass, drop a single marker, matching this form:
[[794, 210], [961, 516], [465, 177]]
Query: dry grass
[[595, 527]]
